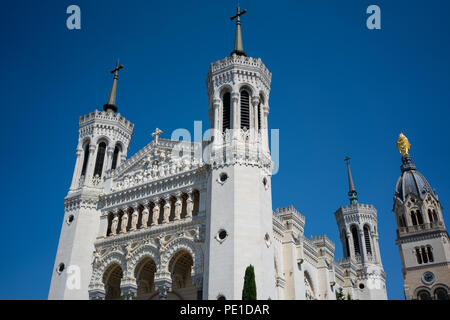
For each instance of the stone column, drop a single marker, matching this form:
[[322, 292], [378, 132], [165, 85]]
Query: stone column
[[255, 103], [163, 284], [167, 209], [377, 248], [155, 213], [198, 282], [77, 170], [128, 289], [178, 206], [145, 215], [91, 164], [362, 244], [265, 135], [97, 294], [108, 161], [351, 245], [408, 218], [134, 219], [235, 114], [217, 120]]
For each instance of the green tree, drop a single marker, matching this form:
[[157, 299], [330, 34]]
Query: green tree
[[349, 297], [249, 290], [340, 294]]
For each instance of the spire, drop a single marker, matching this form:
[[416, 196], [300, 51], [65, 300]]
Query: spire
[[238, 47], [351, 187], [110, 106]]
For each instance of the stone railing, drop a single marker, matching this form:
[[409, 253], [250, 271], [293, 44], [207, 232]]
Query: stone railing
[[420, 227]]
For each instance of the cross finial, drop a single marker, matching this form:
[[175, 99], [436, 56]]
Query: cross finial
[[116, 70], [157, 134], [238, 47], [111, 104]]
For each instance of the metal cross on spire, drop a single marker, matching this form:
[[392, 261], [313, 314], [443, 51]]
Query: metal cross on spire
[[351, 192], [238, 47], [111, 104]]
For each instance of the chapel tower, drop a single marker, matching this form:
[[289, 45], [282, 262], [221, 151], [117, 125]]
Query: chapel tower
[[358, 224], [239, 227], [422, 238], [103, 141]]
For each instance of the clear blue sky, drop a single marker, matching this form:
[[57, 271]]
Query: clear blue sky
[[338, 89]]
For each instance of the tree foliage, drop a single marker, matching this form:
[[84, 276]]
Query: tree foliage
[[249, 290]]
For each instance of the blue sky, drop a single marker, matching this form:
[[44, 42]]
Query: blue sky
[[338, 89]]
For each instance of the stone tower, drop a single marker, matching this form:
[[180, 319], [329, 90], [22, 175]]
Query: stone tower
[[422, 238], [103, 141], [239, 228], [357, 225]]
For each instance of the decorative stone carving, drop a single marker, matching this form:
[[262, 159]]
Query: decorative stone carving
[[167, 208], [123, 226], [114, 224], [155, 214], [144, 220], [134, 219], [189, 206], [178, 207]]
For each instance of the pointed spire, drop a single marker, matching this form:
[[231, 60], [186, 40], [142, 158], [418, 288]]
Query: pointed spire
[[351, 187], [110, 106], [238, 47]]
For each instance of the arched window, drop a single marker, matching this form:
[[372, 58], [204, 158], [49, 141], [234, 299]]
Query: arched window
[[424, 255], [414, 218], [367, 240], [117, 150], [423, 295], [245, 109], [435, 218], [430, 254], [226, 111], [85, 160], [441, 294], [112, 279], [419, 217], [355, 240], [418, 256], [100, 159], [430, 216]]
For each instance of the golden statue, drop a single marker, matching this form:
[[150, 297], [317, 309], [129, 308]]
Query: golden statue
[[403, 144]]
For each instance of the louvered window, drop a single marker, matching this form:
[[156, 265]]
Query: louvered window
[[100, 158], [355, 240], [367, 240], [85, 161], [245, 110], [226, 111], [115, 156]]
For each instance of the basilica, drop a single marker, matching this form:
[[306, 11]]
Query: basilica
[[183, 220]]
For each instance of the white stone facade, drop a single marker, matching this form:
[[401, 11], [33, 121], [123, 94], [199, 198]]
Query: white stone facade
[[169, 223]]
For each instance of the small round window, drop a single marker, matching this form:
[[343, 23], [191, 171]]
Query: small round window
[[223, 177], [221, 235], [361, 286], [61, 268], [70, 219]]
